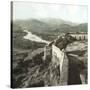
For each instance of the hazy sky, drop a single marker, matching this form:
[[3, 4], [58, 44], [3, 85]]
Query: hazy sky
[[27, 10]]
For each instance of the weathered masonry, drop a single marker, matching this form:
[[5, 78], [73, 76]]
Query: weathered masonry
[[80, 36], [62, 65], [59, 62]]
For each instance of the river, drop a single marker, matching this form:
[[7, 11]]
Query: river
[[34, 37]]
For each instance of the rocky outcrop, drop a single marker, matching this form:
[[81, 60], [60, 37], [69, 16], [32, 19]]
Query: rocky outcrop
[[38, 69]]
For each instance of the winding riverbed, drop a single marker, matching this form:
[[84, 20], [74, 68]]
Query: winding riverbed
[[34, 37]]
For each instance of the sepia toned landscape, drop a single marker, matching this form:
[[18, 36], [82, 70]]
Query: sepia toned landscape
[[49, 52]]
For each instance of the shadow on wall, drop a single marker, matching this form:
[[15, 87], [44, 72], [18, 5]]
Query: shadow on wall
[[75, 67]]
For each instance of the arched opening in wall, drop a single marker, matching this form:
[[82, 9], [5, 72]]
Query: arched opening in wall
[[75, 37], [80, 38], [84, 38]]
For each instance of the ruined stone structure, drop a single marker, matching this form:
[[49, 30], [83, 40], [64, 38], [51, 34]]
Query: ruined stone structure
[[81, 36], [60, 59], [61, 62]]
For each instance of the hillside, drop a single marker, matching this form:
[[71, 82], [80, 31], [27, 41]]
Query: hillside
[[51, 25], [29, 69]]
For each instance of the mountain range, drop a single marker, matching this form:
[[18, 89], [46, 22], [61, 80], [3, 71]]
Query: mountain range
[[51, 25]]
